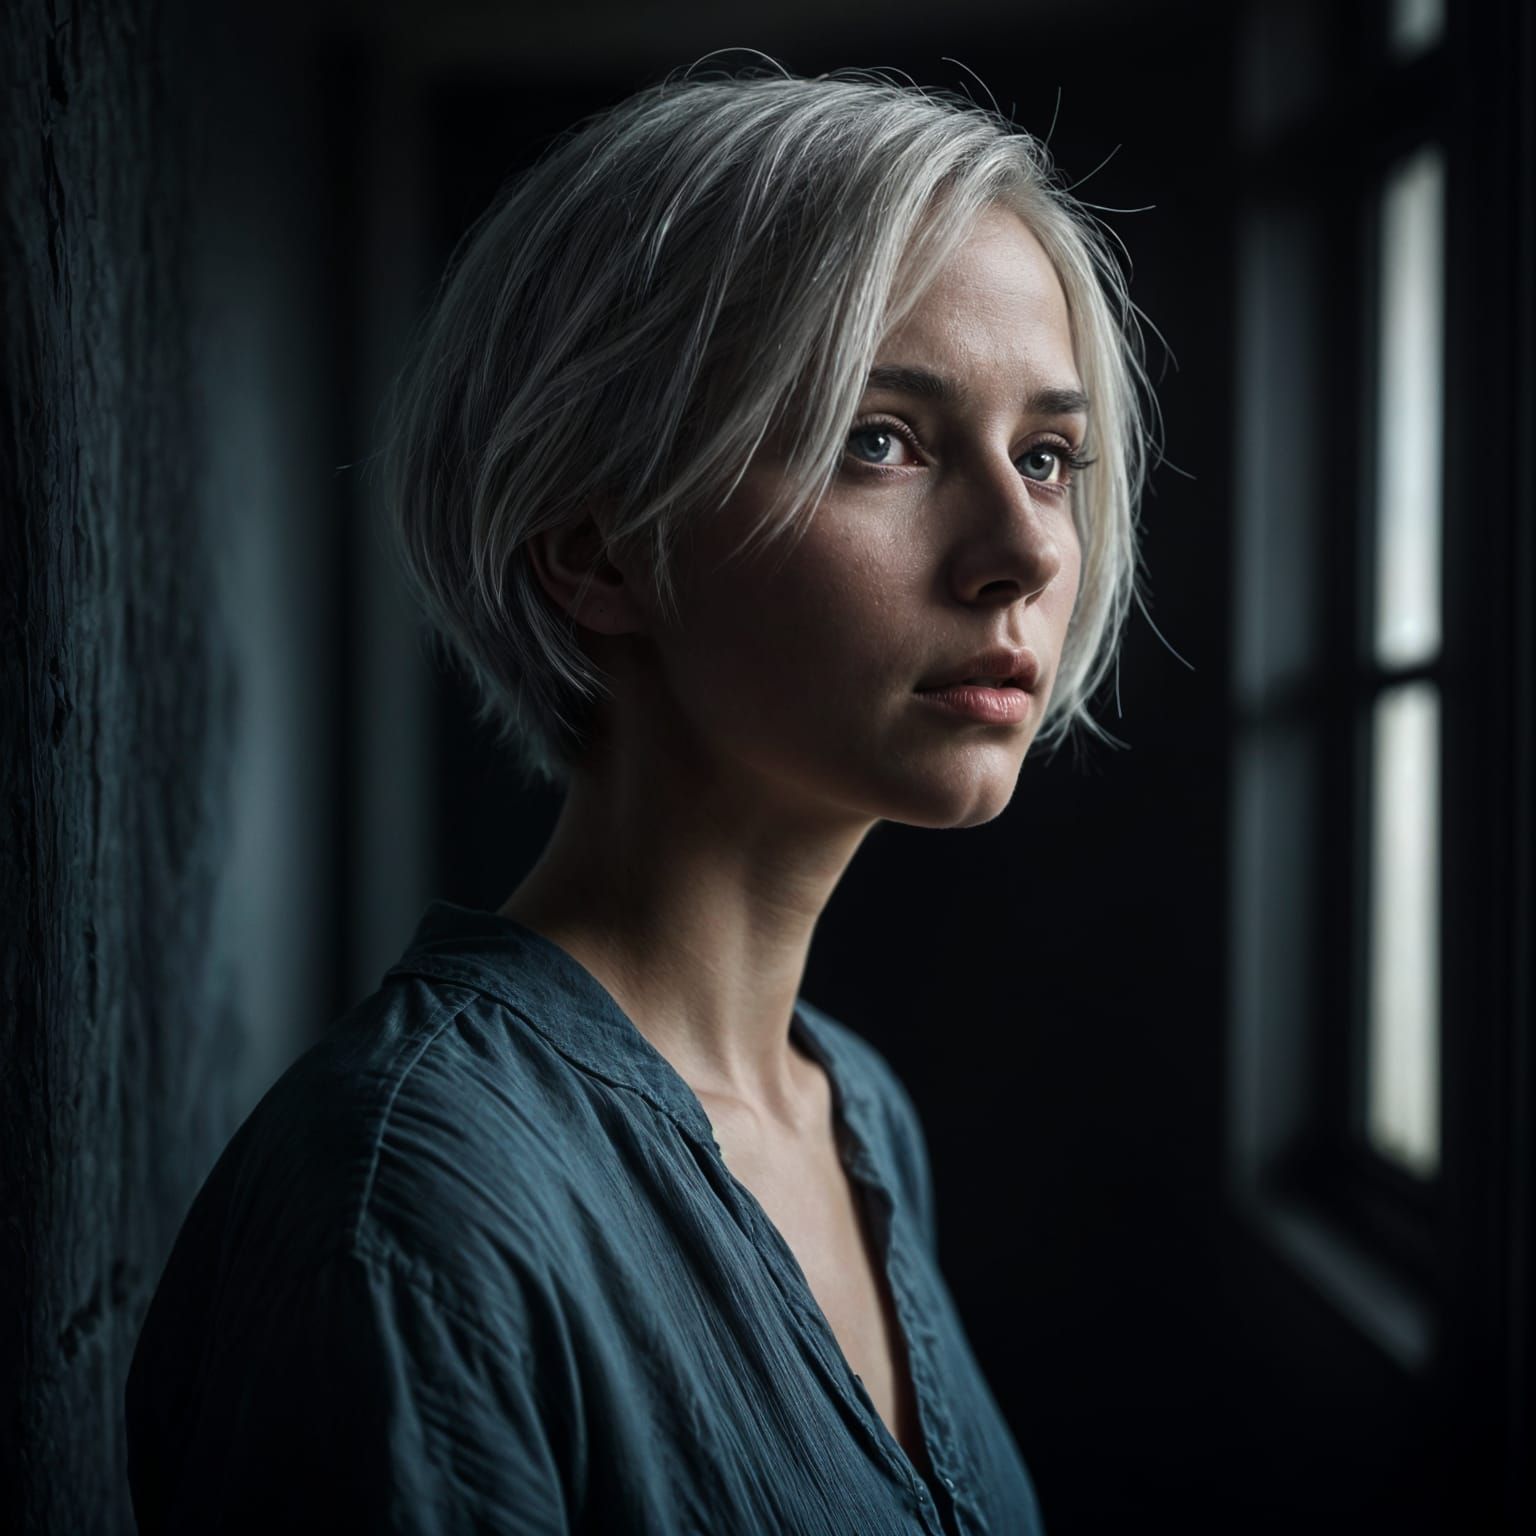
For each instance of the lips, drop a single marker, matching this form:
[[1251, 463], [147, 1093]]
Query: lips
[[988, 705], [1000, 667]]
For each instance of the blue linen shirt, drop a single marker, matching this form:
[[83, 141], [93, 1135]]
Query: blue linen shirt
[[475, 1263]]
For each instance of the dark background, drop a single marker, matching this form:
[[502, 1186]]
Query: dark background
[[233, 774]]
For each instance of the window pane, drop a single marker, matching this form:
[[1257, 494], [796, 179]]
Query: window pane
[[1403, 1120], [1409, 412], [1417, 25]]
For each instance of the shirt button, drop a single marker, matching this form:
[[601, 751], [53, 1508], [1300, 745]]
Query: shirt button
[[948, 1482]]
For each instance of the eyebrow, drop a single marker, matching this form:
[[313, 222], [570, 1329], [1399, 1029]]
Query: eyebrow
[[934, 386]]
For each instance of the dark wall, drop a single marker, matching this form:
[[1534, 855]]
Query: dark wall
[[118, 708], [165, 585]]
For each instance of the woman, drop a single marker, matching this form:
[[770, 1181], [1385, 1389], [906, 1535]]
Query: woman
[[770, 455]]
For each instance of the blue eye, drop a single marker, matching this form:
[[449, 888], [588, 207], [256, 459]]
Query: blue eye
[[1052, 464], [1063, 460], [880, 441]]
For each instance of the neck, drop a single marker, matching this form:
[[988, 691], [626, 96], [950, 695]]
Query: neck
[[693, 902]]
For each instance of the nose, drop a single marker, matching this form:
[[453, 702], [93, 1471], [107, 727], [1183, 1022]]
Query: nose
[[1008, 547]]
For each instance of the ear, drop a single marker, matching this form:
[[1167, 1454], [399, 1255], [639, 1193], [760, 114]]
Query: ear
[[607, 601]]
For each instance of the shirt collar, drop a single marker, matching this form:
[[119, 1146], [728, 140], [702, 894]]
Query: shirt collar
[[557, 996]]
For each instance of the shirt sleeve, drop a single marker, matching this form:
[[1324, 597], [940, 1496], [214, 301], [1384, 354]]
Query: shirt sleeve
[[359, 1402]]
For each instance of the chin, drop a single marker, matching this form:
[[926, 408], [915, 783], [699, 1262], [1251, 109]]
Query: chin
[[956, 795]]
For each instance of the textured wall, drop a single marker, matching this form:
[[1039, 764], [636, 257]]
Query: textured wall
[[118, 708]]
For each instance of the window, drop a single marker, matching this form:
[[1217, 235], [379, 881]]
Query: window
[[1338, 669]]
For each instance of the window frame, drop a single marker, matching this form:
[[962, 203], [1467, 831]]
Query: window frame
[[1365, 1230]]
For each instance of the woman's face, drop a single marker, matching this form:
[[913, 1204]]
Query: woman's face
[[948, 532]]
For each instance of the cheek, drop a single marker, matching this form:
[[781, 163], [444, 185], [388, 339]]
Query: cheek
[[810, 634], [851, 594]]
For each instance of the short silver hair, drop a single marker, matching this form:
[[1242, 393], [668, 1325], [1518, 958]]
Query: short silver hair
[[706, 262]]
